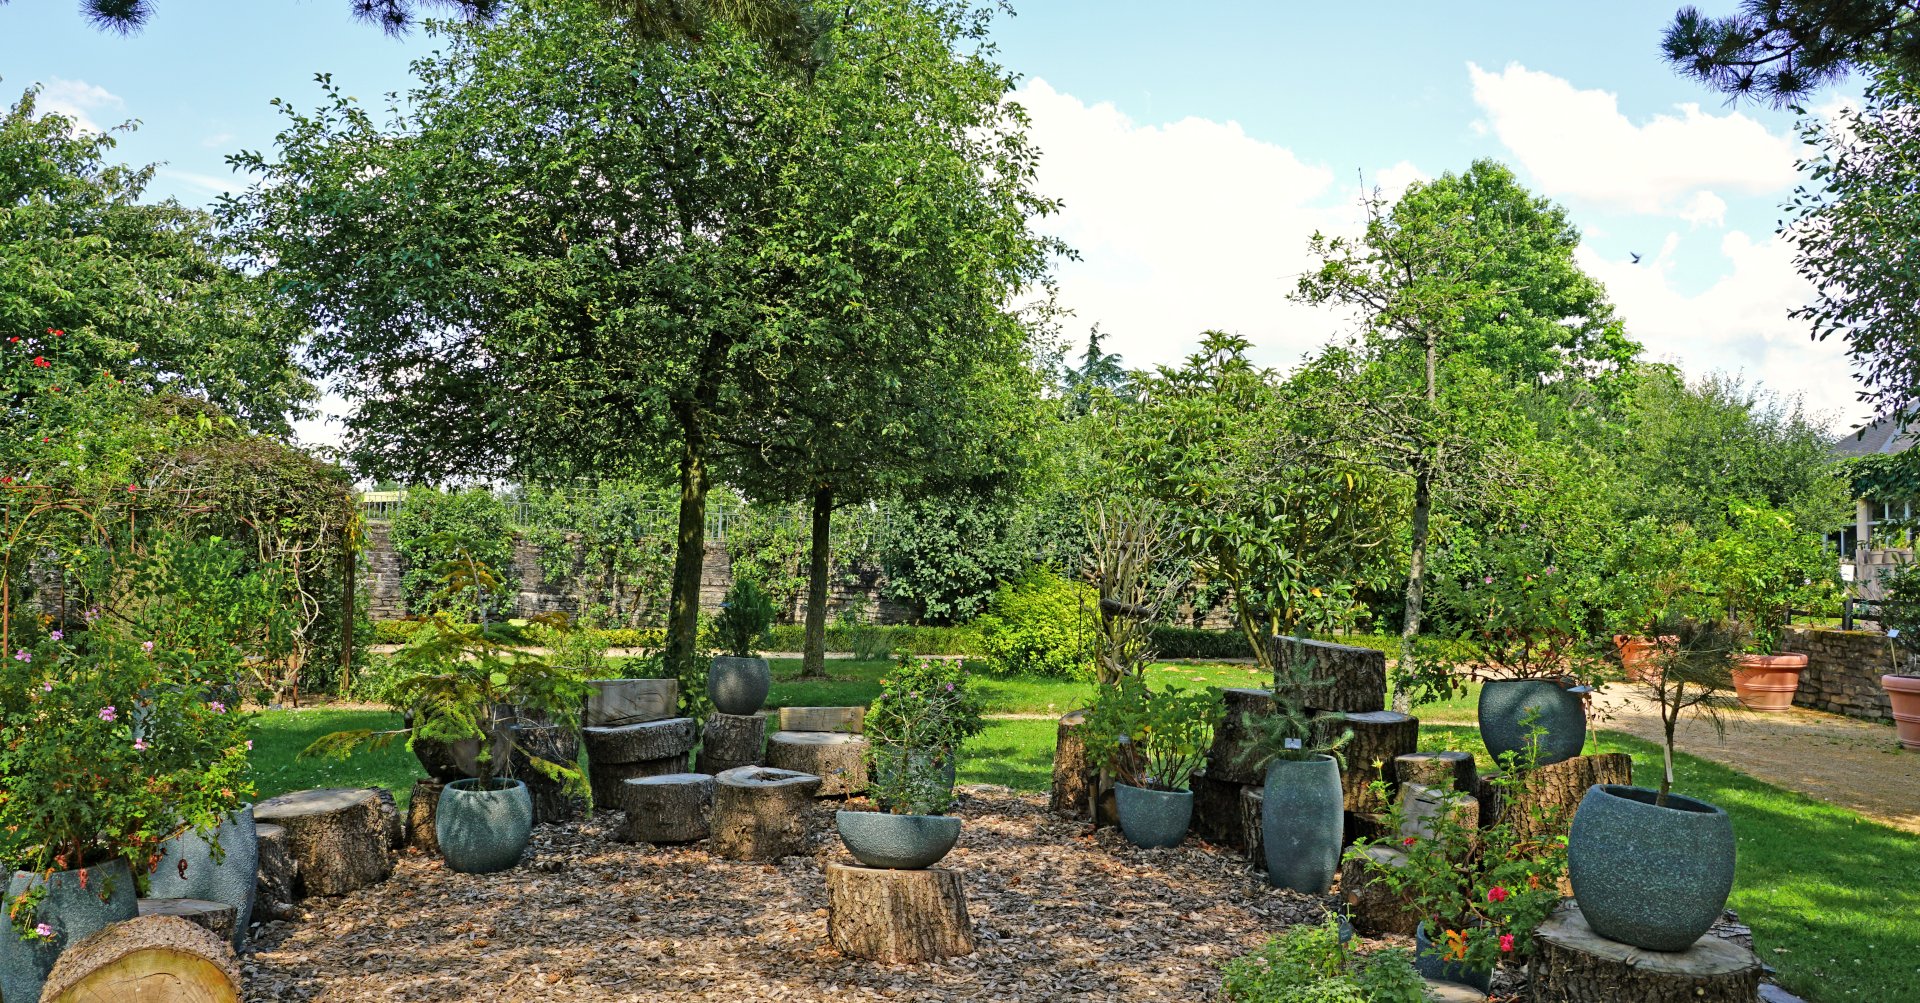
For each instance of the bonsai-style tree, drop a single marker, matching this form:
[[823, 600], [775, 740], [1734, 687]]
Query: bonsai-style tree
[[914, 730]]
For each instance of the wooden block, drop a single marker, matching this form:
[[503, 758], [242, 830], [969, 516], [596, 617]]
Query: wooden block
[[1437, 769], [1359, 675], [1073, 776], [760, 813], [675, 808], [340, 838], [1379, 738], [837, 758], [633, 743], [842, 719], [1228, 759], [728, 741], [897, 916], [214, 917], [1372, 908], [1576, 965], [1216, 811], [615, 702], [152, 959]]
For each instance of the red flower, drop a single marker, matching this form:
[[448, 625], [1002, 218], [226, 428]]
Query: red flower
[[1497, 894], [1409, 841], [13, 339], [41, 362], [132, 488], [1506, 942], [56, 332]]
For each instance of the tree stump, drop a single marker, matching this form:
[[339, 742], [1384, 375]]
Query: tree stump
[[760, 813], [1420, 805], [1216, 810], [1576, 965], [635, 743], [1249, 804], [1227, 760], [340, 838], [1379, 738], [615, 702], [1359, 674], [1072, 790], [847, 720], [551, 802], [731, 740], [275, 888], [1372, 908], [422, 809], [153, 959], [1543, 805], [897, 916], [213, 917], [838, 759], [605, 778], [676, 808], [1455, 770], [390, 814]]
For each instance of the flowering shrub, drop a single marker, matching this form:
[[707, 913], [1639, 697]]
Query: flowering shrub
[[1152, 739], [1309, 964], [914, 730]]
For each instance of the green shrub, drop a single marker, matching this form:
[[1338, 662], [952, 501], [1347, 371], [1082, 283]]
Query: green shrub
[[1308, 964], [1041, 624], [745, 618], [1189, 642], [436, 527]]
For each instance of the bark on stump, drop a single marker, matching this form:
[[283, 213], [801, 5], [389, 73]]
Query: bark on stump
[[1216, 810], [1072, 791], [1228, 760], [1372, 908], [154, 959], [848, 720], [1359, 674], [676, 808], [275, 888], [213, 917], [1544, 803], [838, 759], [422, 809], [634, 743], [340, 838], [1437, 769], [390, 814], [731, 740], [897, 916], [554, 743], [1379, 738], [629, 701], [1250, 803], [605, 778], [1576, 965], [760, 813], [1420, 805]]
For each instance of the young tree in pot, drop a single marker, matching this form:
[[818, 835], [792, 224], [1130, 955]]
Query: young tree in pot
[[1302, 804], [1900, 615], [739, 680], [1760, 567], [1152, 742], [914, 731]]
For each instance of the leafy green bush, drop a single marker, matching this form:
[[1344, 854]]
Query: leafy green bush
[[924, 713], [745, 617], [1041, 625], [1308, 964], [435, 527], [1189, 642], [1152, 739], [879, 640]]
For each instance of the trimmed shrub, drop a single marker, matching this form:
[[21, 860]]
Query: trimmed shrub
[[1041, 624]]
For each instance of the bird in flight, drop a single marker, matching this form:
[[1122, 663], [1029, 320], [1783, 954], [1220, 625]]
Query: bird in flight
[[1635, 256]]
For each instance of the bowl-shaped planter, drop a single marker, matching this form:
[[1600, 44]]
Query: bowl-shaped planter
[[222, 866], [483, 825], [1903, 692], [738, 685], [1653, 877], [1428, 961], [897, 842], [1504, 708], [77, 903], [1150, 818], [1300, 820], [1766, 683]]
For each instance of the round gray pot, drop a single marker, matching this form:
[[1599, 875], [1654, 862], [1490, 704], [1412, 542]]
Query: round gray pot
[[897, 842], [450, 761], [1505, 704], [1428, 962], [219, 867], [72, 910], [1652, 877], [1152, 819], [483, 830], [738, 685], [1300, 821]]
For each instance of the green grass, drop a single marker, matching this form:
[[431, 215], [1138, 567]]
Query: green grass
[[279, 735]]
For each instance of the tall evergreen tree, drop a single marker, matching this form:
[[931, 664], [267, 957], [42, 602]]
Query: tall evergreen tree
[[1780, 50]]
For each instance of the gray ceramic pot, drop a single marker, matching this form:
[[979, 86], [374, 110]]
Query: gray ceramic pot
[[450, 761], [222, 866], [1652, 877], [483, 829], [1427, 961], [1152, 818], [71, 910], [1301, 814], [897, 842], [1505, 704], [738, 685]]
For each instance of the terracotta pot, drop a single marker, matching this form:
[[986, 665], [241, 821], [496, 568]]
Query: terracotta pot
[[1904, 693], [1766, 682], [1636, 657]]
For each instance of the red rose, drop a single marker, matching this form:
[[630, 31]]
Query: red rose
[[41, 362], [1497, 894]]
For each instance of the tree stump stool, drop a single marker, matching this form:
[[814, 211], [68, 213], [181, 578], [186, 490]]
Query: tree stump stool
[[1072, 790], [1379, 738], [1455, 770], [1576, 965], [554, 743], [846, 720], [897, 916], [213, 917], [340, 838], [837, 758], [1227, 759], [618, 753], [729, 741], [1357, 677], [274, 888], [1372, 908], [760, 813], [423, 807], [615, 702], [1543, 805], [1420, 805], [153, 959], [675, 808]]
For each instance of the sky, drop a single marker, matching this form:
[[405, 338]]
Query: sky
[[1196, 147]]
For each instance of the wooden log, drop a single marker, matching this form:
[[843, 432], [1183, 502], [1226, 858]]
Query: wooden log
[[1372, 908], [340, 838], [1455, 770], [1359, 675], [760, 813], [390, 815], [1421, 807], [275, 888], [1542, 805], [850, 720], [634, 743], [1073, 777], [615, 702], [152, 959], [1216, 810], [422, 810], [213, 917], [552, 803], [675, 808], [1359, 825], [1379, 738], [605, 778], [897, 916], [1576, 965], [729, 741], [1229, 758], [1251, 801], [838, 759]]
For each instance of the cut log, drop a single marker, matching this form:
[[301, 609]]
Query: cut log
[[1216, 810], [1372, 908], [340, 838], [1421, 806], [1229, 760], [1073, 776], [1576, 965], [1252, 799], [676, 808], [1379, 738], [634, 743], [729, 741], [275, 888], [760, 813], [849, 720], [897, 916], [615, 702], [1455, 770], [605, 778], [422, 810], [1543, 804], [552, 803], [1359, 675], [153, 959], [838, 759], [1359, 825], [390, 815], [213, 917]]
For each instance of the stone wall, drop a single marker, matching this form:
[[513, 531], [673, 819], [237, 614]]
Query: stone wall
[[1843, 671]]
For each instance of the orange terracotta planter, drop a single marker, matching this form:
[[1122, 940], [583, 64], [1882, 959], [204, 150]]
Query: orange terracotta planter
[[1636, 657], [1904, 693], [1766, 682]]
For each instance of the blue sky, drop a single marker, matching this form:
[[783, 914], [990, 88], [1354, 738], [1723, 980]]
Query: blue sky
[[1195, 151]]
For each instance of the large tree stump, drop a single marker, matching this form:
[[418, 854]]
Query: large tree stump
[[1359, 674], [1544, 802], [152, 959], [1576, 965], [615, 702], [676, 808], [729, 741], [1216, 810], [848, 720], [605, 779], [423, 810], [340, 838], [1073, 777], [275, 888], [634, 743], [1454, 770], [555, 743], [1228, 760], [1421, 806], [760, 813], [213, 917], [838, 759], [1379, 738], [1372, 908], [897, 916]]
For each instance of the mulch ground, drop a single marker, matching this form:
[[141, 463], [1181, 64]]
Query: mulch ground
[[1059, 915]]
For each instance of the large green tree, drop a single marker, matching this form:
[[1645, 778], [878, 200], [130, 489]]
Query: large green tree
[[656, 20]]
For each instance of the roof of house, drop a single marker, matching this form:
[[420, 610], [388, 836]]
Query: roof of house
[[1880, 437]]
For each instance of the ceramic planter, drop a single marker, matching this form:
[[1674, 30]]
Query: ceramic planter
[[222, 866], [76, 904], [1505, 705], [483, 825], [897, 842], [1636, 657], [1300, 820], [1766, 683], [1427, 961], [1152, 819], [738, 685], [450, 761], [1903, 692], [1653, 877]]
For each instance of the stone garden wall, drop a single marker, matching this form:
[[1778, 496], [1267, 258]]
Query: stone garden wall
[[1843, 671]]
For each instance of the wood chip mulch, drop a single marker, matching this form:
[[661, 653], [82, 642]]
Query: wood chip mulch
[[1059, 915]]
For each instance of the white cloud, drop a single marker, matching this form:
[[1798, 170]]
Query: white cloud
[[217, 140], [77, 100], [214, 184], [1705, 207]]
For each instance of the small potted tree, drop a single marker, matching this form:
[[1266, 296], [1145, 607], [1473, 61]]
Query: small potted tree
[[1760, 567], [739, 681], [1900, 615], [1302, 804], [914, 731], [1152, 741]]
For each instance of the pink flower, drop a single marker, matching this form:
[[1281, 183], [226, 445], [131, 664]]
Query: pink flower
[[22, 656], [146, 646], [1487, 580], [56, 635], [43, 930], [249, 745], [107, 713], [46, 687], [1549, 569], [1496, 894], [218, 707], [1506, 942], [139, 745]]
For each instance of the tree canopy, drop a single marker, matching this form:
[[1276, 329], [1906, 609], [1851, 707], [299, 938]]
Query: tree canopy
[[1780, 50]]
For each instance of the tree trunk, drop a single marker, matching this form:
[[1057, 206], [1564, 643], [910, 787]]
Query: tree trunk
[[164, 959], [897, 916], [340, 837], [813, 661], [690, 551], [1576, 965], [1416, 584], [1072, 791]]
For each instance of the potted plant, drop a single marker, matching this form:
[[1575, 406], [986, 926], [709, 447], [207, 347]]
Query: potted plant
[[1900, 615], [1152, 742], [914, 731], [1760, 567], [1302, 804], [1316, 962], [1617, 830], [739, 680]]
